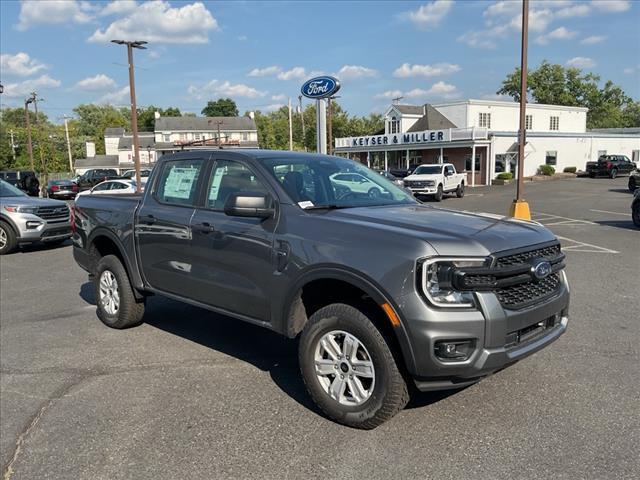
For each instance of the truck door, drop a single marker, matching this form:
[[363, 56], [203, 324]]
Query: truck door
[[232, 256], [163, 227], [449, 178]]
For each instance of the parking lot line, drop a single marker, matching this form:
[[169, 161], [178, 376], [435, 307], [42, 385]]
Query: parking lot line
[[607, 211], [542, 217], [583, 247]]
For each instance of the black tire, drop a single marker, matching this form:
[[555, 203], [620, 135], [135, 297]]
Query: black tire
[[438, 196], [9, 239], [388, 393], [374, 192], [613, 173], [130, 311], [632, 184], [460, 190], [592, 175], [635, 214]]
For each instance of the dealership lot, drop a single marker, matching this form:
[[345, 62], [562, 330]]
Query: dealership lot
[[191, 394]]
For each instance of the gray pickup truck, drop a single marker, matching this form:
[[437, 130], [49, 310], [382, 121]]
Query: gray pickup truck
[[383, 291]]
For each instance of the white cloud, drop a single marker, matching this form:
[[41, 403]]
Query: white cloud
[[441, 88], [273, 107], [560, 33], [496, 96], [429, 14], [19, 64], [24, 89], [296, 73], [578, 10], [581, 62], [355, 71], [593, 39], [96, 83], [613, 6], [242, 38], [629, 71], [226, 88], [406, 70], [157, 21], [36, 12], [389, 94], [278, 98], [264, 72], [119, 7], [416, 92], [539, 20], [502, 8], [479, 39], [117, 97]]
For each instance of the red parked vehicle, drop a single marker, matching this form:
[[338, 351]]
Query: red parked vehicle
[[61, 189]]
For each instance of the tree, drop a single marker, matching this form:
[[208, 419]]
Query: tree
[[147, 116], [556, 85], [94, 119], [223, 107]]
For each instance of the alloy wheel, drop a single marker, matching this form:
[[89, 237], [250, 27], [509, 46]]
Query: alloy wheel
[[109, 295], [3, 238]]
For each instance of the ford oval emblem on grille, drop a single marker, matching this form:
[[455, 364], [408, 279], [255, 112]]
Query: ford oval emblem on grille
[[541, 269]]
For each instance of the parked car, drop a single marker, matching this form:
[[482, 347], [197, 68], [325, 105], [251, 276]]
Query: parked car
[[91, 178], [25, 219], [610, 165], [25, 180], [351, 182], [131, 174], [391, 177], [111, 187], [61, 189], [435, 180], [635, 208], [381, 290], [634, 180]]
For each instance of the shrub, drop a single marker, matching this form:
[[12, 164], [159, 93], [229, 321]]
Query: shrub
[[547, 170], [505, 176], [570, 169]]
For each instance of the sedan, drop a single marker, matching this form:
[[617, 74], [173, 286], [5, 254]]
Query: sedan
[[61, 189], [391, 177], [111, 187]]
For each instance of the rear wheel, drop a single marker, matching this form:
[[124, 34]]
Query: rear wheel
[[374, 192], [592, 175], [438, 196], [613, 173], [8, 240], [635, 214], [117, 305], [460, 190], [349, 369], [632, 184]]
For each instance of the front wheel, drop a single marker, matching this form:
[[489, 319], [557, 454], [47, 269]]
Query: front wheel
[[460, 190], [374, 192], [438, 196], [632, 184], [635, 214], [613, 173], [8, 240], [117, 305], [348, 368]]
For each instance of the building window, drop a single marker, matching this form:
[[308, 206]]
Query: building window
[[166, 137], [484, 120], [198, 136], [528, 122], [601, 153], [501, 162], [467, 162], [394, 125], [551, 157], [183, 136], [554, 123], [635, 156], [245, 136]]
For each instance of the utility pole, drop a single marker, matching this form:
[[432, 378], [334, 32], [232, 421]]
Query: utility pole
[[304, 136], [290, 128], [330, 126], [13, 146], [66, 132], [34, 96], [519, 207], [28, 125], [219, 122], [134, 109]]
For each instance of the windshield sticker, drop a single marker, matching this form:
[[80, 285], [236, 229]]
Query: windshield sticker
[[179, 182], [305, 204]]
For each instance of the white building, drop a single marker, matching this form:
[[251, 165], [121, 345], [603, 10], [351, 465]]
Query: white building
[[487, 130]]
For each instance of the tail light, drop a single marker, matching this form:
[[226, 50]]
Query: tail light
[[609, 165], [74, 188], [55, 187]]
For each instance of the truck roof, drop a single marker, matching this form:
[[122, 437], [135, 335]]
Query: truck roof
[[245, 153]]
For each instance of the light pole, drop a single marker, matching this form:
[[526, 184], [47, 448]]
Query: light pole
[[28, 125], [134, 111], [331, 123], [304, 137], [519, 207], [66, 132]]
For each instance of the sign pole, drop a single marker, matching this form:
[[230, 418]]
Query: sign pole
[[321, 126]]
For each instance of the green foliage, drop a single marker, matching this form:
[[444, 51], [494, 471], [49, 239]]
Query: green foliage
[[570, 170], [223, 107], [546, 170], [609, 106], [147, 118], [505, 176], [94, 119]]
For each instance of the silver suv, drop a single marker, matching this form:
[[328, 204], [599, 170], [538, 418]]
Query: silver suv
[[25, 219]]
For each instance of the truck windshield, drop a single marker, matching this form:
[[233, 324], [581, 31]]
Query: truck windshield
[[8, 190], [333, 182], [428, 170]]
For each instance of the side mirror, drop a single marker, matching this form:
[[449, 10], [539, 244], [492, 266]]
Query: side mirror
[[249, 204]]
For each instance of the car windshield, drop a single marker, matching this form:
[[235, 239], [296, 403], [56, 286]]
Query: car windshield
[[334, 182], [8, 190], [428, 170]]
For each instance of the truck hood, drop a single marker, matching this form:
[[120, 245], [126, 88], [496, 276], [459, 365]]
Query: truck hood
[[450, 232], [35, 201], [423, 177]]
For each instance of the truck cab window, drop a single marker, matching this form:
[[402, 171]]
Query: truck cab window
[[228, 178], [178, 181]]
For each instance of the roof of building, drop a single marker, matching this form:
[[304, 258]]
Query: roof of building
[[410, 109], [114, 132], [432, 120], [145, 141], [204, 124], [514, 104], [97, 161]]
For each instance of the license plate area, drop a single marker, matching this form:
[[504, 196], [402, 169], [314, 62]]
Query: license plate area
[[530, 332]]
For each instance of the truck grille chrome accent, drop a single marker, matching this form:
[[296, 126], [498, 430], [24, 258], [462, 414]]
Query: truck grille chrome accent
[[53, 213]]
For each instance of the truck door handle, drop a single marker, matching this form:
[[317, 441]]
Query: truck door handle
[[205, 227], [149, 219]]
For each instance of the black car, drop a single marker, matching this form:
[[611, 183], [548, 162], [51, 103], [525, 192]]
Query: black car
[[61, 189], [635, 209], [634, 180], [25, 180], [91, 178], [610, 166]]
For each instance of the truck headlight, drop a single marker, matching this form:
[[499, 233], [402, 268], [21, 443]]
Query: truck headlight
[[20, 208], [437, 281]]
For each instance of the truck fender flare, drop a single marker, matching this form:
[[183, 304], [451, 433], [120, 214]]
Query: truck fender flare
[[338, 272], [9, 222]]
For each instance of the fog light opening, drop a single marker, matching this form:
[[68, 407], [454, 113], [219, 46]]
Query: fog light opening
[[457, 350], [32, 225]]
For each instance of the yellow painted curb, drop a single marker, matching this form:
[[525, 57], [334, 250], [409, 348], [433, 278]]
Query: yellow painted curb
[[520, 209]]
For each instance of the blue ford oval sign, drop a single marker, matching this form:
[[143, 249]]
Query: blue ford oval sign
[[320, 87], [541, 270]]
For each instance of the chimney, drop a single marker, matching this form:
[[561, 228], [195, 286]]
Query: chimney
[[252, 115], [91, 149], [156, 114]]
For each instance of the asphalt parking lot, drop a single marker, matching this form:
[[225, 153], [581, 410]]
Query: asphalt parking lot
[[191, 394]]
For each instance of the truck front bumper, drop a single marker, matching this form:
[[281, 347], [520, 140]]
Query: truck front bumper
[[423, 191], [500, 337]]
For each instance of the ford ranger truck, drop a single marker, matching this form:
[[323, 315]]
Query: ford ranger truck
[[436, 180], [382, 291]]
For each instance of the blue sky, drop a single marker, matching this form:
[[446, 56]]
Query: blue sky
[[260, 53]]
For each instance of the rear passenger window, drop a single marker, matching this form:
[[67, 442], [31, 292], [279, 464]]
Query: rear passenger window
[[178, 182]]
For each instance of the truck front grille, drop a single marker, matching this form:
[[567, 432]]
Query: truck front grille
[[419, 183], [53, 213], [519, 296], [524, 257]]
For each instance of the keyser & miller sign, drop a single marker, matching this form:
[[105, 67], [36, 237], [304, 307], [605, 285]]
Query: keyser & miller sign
[[426, 136]]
